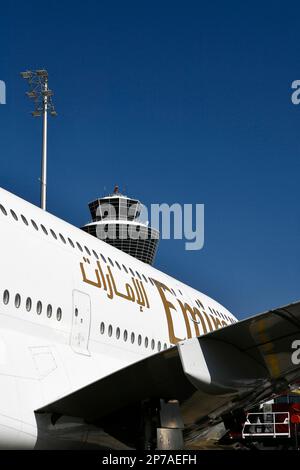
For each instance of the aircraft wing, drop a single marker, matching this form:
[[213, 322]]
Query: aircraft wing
[[234, 367]]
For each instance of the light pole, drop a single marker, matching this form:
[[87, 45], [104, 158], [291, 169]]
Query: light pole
[[42, 98]]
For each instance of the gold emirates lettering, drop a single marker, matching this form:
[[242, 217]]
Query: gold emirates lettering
[[136, 292]]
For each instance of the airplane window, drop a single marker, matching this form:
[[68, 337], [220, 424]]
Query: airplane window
[[34, 225], [71, 242], [5, 297], [173, 292], [49, 311], [28, 304], [103, 257], [118, 333], [138, 274], [118, 264], [44, 229], [3, 210], [180, 294], [152, 344], [62, 238], [39, 307], [165, 346], [110, 261], [144, 277], [110, 330], [125, 269], [95, 254], [139, 340], [150, 279], [132, 272], [87, 250], [125, 335], [17, 300], [24, 219], [146, 342], [58, 314], [79, 246], [53, 234], [159, 345], [210, 309], [14, 214], [102, 328], [132, 337]]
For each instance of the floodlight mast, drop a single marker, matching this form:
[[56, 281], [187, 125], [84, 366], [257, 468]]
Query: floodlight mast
[[44, 150], [42, 96]]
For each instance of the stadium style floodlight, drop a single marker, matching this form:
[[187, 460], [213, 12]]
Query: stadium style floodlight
[[26, 74], [42, 98]]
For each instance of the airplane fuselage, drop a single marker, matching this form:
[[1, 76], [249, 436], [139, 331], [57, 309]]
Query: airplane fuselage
[[73, 309]]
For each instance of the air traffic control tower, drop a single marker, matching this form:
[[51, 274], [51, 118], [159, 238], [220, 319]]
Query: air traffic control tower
[[115, 221]]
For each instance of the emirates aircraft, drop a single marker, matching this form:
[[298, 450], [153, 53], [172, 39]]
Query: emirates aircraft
[[100, 350]]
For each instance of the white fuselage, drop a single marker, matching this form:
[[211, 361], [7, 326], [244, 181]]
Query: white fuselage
[[73, 309]]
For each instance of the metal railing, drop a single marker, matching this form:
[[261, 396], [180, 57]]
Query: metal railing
[[273, 424]]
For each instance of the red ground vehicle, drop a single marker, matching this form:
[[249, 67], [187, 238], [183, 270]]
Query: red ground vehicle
[[272, 425]]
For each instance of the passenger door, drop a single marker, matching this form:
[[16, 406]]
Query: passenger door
[[81, 323]]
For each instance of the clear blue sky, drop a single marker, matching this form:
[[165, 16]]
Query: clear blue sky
[[177, 101]]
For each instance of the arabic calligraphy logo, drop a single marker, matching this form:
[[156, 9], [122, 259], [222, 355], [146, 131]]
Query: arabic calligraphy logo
[[135, 292]]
